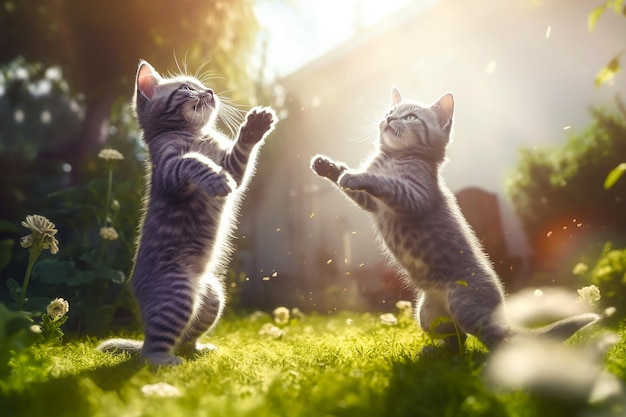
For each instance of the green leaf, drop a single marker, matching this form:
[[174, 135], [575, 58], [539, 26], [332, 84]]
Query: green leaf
[[607, 73], [14, 288], [614, 175], [6, 226], [593, 17], [6, 252], [55, 272]]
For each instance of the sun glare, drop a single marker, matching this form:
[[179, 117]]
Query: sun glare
[[298, 32]]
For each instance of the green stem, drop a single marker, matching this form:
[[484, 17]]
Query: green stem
[[31, 261], [108, 206]]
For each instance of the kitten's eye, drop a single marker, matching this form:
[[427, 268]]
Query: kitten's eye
[[185, 87], [410, 117]]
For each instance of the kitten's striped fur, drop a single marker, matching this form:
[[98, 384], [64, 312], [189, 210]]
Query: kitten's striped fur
[[195, 178], [422, 228]]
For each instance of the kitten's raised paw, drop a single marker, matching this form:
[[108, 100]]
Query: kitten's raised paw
[[326, 168], [259, 122]]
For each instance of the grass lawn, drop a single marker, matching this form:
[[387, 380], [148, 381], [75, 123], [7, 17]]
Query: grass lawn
[[337, 365]]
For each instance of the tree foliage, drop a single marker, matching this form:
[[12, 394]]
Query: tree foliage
[[559, 194], [98, 44]]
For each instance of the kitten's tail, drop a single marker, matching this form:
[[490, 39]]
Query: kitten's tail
[[565, 328], [120, 345]]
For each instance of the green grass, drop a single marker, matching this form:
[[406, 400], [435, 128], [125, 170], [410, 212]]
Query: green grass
[[338, 365]]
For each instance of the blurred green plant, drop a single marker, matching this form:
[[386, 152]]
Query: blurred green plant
[[559, 195], [16, 333], [609, 275]]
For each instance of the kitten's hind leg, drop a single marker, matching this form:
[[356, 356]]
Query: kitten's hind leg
[[474, 310], [212, 300], [434, 318], [166, 310]]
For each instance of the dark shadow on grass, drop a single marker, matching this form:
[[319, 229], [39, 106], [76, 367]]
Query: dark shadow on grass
[[440, 383], [67, 395], [110, 378]]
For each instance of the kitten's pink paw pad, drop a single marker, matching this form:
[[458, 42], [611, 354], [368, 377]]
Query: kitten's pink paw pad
[[324, 167], [259, 122]]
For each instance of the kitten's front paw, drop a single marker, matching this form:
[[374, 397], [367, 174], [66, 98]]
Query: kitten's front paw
[[352, 182], [326, 168], [219, 185], [259, 122]]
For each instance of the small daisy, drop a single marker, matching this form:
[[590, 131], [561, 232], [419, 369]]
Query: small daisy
[[109, 154], [58, 308]]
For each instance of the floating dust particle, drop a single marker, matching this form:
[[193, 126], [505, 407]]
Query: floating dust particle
[[266, 278], [361, 265], [247, 278], [578, 224], [278, 229], [328, 262], [311, 215], [549, 233], [275, 274], [538, 293], [548, 32], [354, 232], [567, 127], [564, 227], [345, 261], [348, 273]]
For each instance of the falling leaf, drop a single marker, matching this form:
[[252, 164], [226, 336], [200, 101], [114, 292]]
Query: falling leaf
[[614, 175], [607, 73], [593, 17]]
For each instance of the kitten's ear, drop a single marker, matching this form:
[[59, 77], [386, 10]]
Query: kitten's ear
[[444, 109], [395, 96], [147, 79]]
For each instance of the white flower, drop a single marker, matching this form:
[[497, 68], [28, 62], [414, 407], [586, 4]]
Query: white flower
[[58, 308], [388, 319], [296, 313], [281, 315], [589, 295], [405, 307], [108, 233], [160, 389], [109, 154], [269, 329], [43, 231], [258, 315], [580, 269]]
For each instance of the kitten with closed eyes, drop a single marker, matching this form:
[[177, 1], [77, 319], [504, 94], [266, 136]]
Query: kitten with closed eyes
[[196, 178], [421, 226]]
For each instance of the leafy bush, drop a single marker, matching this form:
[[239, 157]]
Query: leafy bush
[[559, 194], [609, 274]]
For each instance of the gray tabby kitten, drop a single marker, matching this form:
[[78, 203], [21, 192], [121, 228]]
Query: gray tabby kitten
[[422, 228], [195, 179]]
